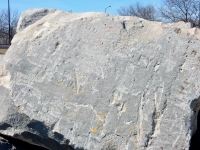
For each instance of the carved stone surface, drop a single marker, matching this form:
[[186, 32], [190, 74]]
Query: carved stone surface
[[97, 81]]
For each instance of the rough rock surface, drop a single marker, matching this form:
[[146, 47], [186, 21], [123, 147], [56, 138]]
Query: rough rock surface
[[97, 81], [31, 16]]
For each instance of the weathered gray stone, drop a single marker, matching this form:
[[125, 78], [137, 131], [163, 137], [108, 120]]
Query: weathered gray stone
[[104, 82], [31, 16]]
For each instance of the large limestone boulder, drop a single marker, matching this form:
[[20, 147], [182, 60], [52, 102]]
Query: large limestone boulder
[[101, 82]]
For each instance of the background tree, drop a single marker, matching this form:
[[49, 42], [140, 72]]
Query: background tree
[[4, 26], [148, 12], [180, 10]]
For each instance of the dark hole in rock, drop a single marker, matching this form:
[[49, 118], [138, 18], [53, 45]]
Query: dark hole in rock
[[195, 140]]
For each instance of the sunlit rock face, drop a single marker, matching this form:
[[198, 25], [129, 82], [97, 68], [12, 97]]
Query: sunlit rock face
[[100, 82]]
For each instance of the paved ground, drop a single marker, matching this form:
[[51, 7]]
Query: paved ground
[[3, 51]]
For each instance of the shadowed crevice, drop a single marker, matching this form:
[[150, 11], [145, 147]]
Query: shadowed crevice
[[7, 142], [46, 142], [195, 140]]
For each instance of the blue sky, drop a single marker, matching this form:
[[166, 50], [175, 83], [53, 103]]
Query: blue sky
[[74, 5]]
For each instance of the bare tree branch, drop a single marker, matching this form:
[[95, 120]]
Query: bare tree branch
[[180, 10], [4, 27], [148, 12]]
